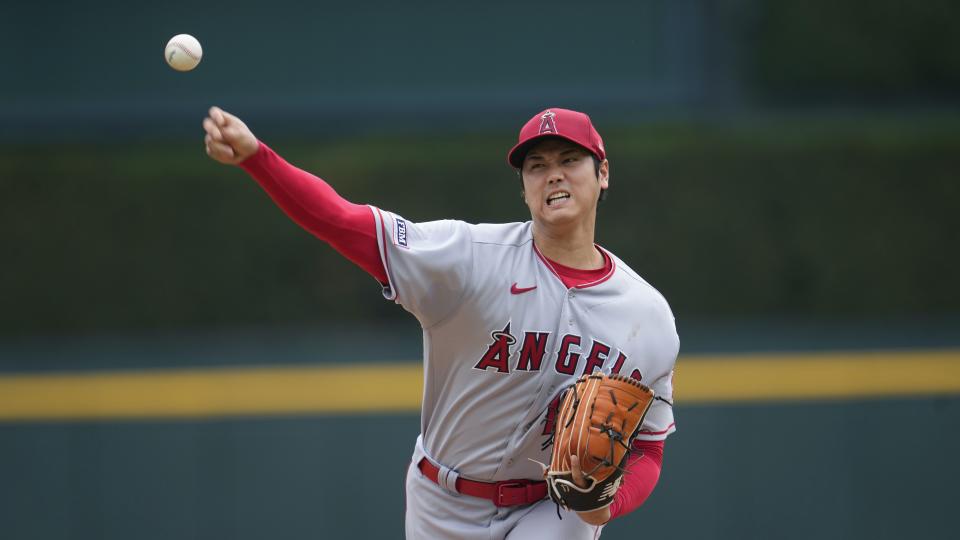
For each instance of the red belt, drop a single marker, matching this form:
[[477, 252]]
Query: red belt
[[505, 493]]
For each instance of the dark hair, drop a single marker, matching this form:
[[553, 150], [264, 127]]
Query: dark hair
[[596, 171]]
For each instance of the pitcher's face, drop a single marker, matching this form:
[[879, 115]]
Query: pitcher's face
[[561, 183]]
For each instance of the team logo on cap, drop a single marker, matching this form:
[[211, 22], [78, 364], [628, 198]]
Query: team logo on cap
[[548, 123]]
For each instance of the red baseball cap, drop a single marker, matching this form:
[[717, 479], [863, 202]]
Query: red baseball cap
[[573, 126]]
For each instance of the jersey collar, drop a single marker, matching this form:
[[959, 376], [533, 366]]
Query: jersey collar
[[553, 268]]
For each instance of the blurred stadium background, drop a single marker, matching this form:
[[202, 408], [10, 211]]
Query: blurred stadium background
[[172, 348]]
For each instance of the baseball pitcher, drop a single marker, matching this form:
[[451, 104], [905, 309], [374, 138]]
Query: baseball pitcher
[[547, 360]]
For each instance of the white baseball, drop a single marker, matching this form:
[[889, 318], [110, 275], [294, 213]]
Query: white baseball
[[183, 52]]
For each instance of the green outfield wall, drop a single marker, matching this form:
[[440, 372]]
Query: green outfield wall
[[843, 470], [857, 438], [772, 217]]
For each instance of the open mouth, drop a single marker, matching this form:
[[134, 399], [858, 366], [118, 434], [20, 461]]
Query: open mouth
[[557, 197]]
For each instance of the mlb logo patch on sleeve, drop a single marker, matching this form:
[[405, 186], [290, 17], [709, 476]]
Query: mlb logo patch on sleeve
[[400, 236]]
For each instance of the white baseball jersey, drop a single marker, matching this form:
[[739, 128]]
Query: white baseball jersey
[[502, 336]]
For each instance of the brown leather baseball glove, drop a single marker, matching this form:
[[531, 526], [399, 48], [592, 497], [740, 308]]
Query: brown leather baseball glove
[[598, 419]]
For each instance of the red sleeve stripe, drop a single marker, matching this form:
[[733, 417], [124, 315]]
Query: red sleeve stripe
[[384, 242], [647, 432]]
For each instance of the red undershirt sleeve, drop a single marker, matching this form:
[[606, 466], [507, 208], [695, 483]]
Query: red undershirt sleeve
[[349, 228], [642, 473]]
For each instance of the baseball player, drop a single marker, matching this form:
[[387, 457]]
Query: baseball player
[[511, 314]]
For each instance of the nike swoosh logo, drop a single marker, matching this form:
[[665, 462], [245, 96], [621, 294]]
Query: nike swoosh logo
[[517, 290]]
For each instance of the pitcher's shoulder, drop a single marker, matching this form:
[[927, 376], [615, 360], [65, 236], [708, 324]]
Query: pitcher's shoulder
[[637, 285]]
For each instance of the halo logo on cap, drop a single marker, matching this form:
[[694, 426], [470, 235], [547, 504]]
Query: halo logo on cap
[[577, 128], [548, 123]]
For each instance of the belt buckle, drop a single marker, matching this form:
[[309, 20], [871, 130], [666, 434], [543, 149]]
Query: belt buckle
[[515, 500]]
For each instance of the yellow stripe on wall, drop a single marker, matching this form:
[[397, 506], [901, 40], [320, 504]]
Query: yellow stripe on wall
[[817, 376], [225, 392], [212, 392]]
